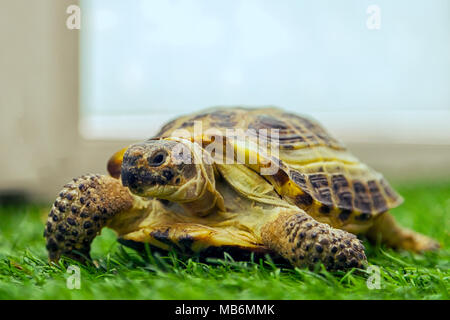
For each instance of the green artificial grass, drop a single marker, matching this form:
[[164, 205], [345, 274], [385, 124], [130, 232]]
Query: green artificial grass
[[121, 273]]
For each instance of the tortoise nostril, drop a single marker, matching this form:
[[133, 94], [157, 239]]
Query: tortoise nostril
[[157, 159], [129, 179]]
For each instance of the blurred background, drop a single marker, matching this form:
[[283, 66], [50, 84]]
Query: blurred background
[[375, 73]]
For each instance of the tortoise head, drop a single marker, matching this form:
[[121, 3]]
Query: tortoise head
[[162, 169]]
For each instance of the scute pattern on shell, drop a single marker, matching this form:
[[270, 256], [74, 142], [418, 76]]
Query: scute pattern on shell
[[320, 165]]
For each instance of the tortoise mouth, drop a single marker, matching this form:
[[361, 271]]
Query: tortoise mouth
[[145, 182], [146, 170], [150, 169]]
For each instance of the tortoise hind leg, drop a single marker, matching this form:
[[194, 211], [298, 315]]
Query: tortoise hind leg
[[386, 230], [82, 209]]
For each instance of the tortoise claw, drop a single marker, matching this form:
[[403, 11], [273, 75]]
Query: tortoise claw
[[306, 242], [79, 213]]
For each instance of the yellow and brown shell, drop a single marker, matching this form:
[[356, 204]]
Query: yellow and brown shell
[[317, 173]]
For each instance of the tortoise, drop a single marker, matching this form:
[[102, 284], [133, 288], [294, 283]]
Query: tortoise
[[296, 193]]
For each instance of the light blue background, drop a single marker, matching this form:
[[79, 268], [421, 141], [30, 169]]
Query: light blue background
[[177, 56]]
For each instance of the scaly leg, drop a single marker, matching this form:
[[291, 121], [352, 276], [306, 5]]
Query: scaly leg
[[386, 230], [82, 209], [304, 242]]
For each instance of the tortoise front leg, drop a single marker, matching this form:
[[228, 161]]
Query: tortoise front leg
[[81, 210], [305, 242]]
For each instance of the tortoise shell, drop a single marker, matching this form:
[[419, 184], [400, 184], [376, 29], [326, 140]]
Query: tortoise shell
[[208, 206], [317, 172]]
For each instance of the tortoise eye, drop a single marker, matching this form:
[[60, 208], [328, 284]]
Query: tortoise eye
[[157, 159]]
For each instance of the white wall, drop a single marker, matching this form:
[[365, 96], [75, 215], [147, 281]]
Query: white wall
[[39, 105]]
